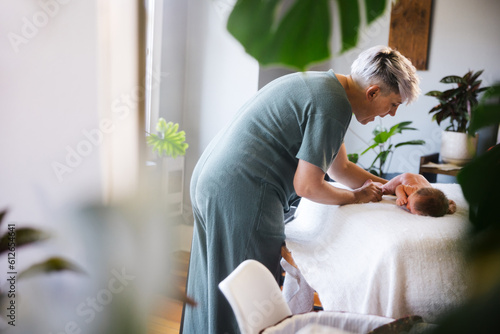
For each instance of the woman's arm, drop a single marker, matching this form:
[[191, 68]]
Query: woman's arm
[[348, 173], [309, 182]]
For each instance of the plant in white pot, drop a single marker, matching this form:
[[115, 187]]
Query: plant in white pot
[[458, 145]]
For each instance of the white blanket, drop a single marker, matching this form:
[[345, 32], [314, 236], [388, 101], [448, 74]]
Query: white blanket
[[378, 259]]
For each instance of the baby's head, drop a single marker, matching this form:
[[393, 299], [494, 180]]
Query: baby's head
[[430, 201]]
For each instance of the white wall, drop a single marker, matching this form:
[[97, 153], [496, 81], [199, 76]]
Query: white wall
[[173, 60], [48, 99], [207, 74], [463, 37], [220, 76]]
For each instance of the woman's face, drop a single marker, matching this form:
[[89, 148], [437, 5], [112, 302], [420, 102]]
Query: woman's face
[[382, 105]]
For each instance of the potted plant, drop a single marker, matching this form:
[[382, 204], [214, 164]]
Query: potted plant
[[169, 142], [458, 145], [169, 145], [382, 146]]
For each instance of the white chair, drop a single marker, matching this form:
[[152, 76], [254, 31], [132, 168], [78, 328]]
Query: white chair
[[254, 296]]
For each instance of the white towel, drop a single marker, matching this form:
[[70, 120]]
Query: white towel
[[376, 258], [298, 294]]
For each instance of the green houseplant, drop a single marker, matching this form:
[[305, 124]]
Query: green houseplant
[[169, 142], [456, 106], [381, 144]]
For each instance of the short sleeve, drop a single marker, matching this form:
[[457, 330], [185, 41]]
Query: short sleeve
[[323, 136]]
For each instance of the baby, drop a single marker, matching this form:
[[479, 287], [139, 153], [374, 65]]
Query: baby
[[420, 198]]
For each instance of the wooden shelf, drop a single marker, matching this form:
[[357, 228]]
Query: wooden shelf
[[430, 171]]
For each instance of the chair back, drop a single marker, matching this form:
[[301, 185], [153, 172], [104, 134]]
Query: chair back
[[254, 296]]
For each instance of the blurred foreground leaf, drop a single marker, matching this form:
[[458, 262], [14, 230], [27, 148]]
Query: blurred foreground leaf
[[23, 236], [50, 265], [480, 179], [301, 35]]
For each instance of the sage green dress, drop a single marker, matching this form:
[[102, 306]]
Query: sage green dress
[[243, 184]]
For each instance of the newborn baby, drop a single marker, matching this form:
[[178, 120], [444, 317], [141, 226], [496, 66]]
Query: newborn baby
[[420, 198]]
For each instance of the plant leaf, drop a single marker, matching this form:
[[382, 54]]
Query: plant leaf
[[369, 148], [411, 142], [297, 32], [374, 9], [383, 157], [170, 142], [301, 36], [349, 23], [161, 126], [250, 22], [476, 75], [480, 180], [486, 114], [382, 137], [398, 128], [453, 79], [24, 236], [296, 40], [353, 157], [434, 93], [2, 215], [53, 264]]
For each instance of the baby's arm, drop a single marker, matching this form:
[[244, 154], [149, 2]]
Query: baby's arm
[[401, 195]]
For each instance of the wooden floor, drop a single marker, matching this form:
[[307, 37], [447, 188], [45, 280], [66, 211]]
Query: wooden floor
[[167, 319]]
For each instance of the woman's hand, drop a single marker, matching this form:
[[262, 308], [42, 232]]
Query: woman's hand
[[369, 192]]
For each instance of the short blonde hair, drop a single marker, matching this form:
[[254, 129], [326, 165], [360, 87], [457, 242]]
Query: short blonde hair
[[393, 72]]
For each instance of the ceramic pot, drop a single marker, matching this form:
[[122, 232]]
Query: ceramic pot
[[458, 148]]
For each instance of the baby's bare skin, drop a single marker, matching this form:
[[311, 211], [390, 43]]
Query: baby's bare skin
[[404, 185]]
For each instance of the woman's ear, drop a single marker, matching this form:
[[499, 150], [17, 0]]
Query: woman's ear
[[372, 92], [452, 207]]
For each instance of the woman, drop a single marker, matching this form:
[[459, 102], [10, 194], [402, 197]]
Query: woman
[[279, 146]]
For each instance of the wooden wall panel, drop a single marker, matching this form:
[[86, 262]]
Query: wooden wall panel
[[409, 30]]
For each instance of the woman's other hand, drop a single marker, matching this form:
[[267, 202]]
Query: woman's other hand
[[369, 192]]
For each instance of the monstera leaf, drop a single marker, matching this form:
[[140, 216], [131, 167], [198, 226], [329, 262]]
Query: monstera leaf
[[301, 36], [169, 142]]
